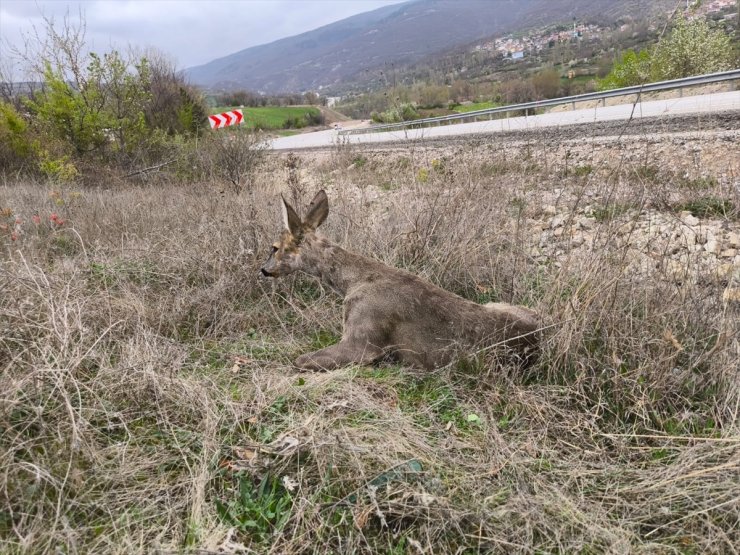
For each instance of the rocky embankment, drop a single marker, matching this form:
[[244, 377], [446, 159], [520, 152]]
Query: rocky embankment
[[678, 247]]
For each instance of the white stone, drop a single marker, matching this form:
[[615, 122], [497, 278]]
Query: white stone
[[558, 221], [689, 219], [675, 270], [733, 240], [726, 270], [712, 246], [731, 295], [587, 223]]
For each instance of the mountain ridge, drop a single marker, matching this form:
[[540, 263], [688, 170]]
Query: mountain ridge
[[398, 34]]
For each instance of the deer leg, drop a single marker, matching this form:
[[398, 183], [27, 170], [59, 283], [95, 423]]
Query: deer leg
[[341, 354]]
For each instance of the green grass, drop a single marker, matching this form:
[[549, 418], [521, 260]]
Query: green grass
[[272, 117], [607, 213], [256, 510], [698, 183], [475, 106], [709, 207]]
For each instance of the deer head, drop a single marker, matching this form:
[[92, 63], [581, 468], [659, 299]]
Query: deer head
[[286, 256]]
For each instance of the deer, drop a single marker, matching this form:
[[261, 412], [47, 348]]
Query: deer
[[390, 312]]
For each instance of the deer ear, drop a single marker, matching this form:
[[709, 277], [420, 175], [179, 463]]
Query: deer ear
[[291, 220], [318, 210]]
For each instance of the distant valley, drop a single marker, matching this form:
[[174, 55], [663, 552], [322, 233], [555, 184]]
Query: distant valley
[[339, 56]]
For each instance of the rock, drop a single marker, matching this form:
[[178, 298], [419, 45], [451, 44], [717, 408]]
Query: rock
[[712, 246], [731, 295], [726, 270], [688, 218], [728, 253], [733, 240], [558, 232], [577, 241], [549, 210], [587, 223], [558, 221], [676, 270]]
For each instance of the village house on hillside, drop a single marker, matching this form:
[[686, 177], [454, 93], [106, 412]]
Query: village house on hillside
[[515, 48]]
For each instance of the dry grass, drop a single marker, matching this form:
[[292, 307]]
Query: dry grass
[[148, 402]]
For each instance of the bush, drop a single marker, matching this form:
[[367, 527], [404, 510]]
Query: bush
[[235, 154], [632, 68], [402, 112], [96, 109], [15, 144], [692, 48]]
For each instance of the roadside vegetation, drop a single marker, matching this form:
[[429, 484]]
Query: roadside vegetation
[[149, 403], [131, 115], [692, 48]]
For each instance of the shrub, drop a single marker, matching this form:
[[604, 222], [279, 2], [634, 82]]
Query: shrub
[[15, 144], [402, 112], [692, 48], [58, 169], [632, 68], [708, 207], [235, 154]]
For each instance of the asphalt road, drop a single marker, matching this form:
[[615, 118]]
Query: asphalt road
[[654, 111]]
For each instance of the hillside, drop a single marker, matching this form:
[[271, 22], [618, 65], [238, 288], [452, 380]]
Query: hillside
[[347, 50]]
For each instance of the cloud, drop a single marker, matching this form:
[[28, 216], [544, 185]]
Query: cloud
[[192, 32]]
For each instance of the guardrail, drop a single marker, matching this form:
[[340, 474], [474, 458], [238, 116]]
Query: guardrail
[[476, 114]]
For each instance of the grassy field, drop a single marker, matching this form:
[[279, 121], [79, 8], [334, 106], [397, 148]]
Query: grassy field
[[475, 106], [273, 117], [149, 403]]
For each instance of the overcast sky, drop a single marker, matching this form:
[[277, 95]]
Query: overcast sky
[[192, 32]]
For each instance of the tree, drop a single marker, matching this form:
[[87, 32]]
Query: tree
[[125, 95], [311, 98], [174, 106], [632, 68], [546, 83], [692, 48], [75, 116]]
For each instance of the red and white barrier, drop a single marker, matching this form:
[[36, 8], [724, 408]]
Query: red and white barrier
[[225, 119]]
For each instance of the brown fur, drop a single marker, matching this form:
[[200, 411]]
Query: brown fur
[[388, 311]]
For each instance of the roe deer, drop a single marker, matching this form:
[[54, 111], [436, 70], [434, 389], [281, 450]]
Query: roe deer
[[388, 311]]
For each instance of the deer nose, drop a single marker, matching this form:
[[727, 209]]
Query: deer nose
[[265, 272]]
